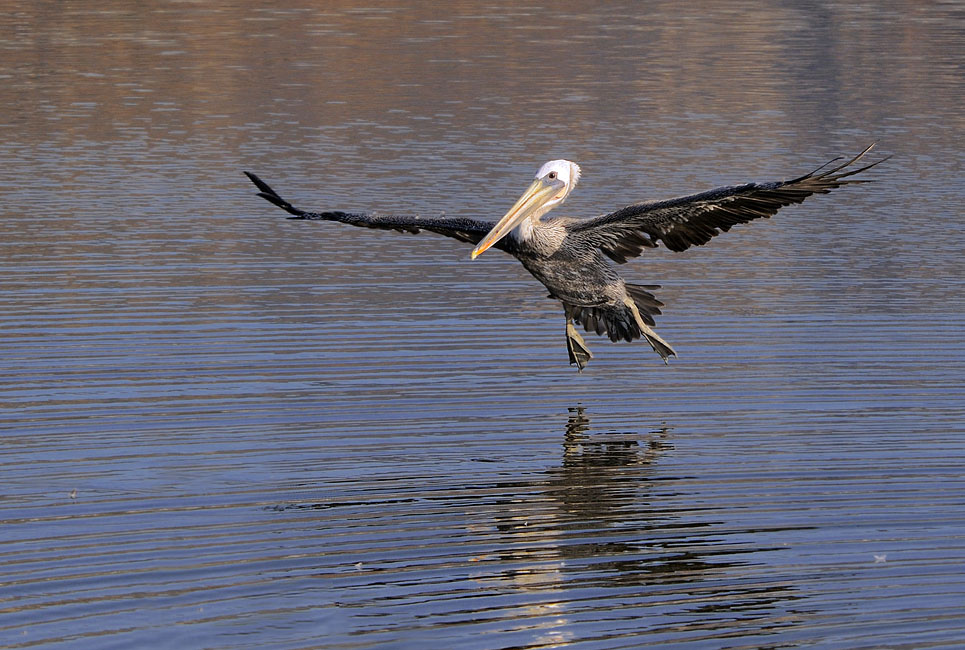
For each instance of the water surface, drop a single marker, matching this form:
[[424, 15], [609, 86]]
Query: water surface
[[224, 429]]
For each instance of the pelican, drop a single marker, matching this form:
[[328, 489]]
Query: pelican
[[574, 258]]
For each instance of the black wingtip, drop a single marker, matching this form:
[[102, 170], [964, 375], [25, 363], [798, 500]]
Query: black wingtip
[[260, 184], [272, 196], [861, 169], [833, 174]]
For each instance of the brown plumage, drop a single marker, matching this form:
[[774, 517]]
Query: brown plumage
[[574, 258]]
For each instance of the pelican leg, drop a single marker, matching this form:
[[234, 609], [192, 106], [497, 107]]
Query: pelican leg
[[659, 346], [580, 355]]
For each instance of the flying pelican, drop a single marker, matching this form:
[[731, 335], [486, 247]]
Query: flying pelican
[[573, 258]]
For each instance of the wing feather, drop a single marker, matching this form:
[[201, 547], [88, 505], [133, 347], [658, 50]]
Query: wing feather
[[696, 219], [467, 230]]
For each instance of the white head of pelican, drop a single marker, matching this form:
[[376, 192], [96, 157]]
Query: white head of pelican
[[554, 182]]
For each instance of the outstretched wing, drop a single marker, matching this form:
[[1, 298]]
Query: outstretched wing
[[694, 220], [467, 230]]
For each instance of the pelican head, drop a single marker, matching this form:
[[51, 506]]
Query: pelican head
[[554, 182]]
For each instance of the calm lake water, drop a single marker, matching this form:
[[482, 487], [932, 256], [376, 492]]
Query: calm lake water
[[223, 429]]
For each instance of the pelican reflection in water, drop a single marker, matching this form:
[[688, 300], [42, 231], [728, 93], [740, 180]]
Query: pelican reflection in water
[[574, 258]]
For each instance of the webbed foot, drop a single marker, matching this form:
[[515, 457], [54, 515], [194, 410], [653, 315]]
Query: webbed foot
[[580, 355]]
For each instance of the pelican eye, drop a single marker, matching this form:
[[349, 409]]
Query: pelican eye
[[551, 175]]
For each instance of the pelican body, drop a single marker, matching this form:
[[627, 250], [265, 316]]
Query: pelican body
[[574, 258]]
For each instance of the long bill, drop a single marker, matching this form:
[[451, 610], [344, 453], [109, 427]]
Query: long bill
[[534, 198]]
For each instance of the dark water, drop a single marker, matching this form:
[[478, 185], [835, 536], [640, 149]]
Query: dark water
[[222, 429]]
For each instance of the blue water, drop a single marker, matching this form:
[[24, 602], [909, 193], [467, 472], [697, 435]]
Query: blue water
[[223, 429]]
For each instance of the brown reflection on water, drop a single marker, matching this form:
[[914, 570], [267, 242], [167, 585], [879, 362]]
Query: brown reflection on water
[[109, 71], [600, 541]]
